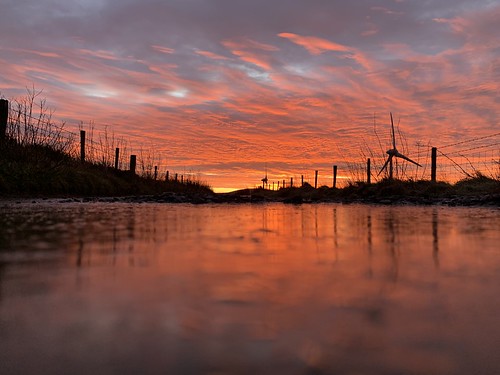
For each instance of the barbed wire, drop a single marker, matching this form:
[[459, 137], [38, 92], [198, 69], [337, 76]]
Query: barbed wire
[[474, 148], [470, 140]]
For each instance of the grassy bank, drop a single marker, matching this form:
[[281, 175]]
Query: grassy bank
[[479, 190], [38, 170]]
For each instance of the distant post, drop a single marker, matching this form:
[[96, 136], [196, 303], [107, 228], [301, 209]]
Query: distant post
[[4, 115], [334, 176], [182, 178], [133, 159], [167, 177], [82, 145], [278, 185], [291, 181], [368, 172], [176, 175], [433, 163], [302, 180], [156, 172], [391, 171], [284, 184], [315, 179], [117, 157]]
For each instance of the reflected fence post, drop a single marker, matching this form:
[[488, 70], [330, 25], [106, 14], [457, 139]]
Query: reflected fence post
[[435, 238]]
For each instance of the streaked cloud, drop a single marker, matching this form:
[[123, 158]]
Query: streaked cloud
[[163, 49]]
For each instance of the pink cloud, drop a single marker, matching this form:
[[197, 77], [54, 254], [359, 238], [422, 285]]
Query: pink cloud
[[35, 52], [251, 51], [211, 55], [106, 55], [313, 44], [163, 49]]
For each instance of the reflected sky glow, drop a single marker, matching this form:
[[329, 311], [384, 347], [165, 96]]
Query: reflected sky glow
[[226, 87], [231, 289]]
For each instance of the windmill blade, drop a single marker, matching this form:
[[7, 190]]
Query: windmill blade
[[393, 134], [399, 155], [385, 165]]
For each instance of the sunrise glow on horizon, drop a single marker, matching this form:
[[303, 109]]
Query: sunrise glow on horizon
[[229, 90]]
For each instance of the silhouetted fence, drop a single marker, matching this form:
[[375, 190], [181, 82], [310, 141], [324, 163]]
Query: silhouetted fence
[[452, 162], [28, 127]]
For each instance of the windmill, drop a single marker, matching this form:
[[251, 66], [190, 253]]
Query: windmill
[[393, 152], [264, 180]]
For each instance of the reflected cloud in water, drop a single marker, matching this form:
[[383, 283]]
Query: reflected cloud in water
[[248, 288]]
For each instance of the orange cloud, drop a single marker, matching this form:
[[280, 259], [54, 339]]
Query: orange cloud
[[317, 46]]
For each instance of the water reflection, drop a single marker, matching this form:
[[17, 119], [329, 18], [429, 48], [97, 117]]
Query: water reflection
[[435, 240], [248, 289]]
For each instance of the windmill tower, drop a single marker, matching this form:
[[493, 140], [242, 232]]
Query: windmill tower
[[264, 181], [393, 152]]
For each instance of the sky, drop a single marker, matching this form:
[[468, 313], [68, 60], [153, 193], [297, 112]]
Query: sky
[[229, 89]]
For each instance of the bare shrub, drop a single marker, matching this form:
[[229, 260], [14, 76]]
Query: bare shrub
[[30, 123]]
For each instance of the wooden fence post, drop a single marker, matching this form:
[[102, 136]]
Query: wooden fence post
[[334, 176], [133, 159], [391, 170], [284, 184], [302, 180], [278, 185], [167, 177], [368, 172], [315, 179], [176, 175], [156, 172], [291, 182], [117, 157], [433, 164], [4, 115], [82, 145]]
